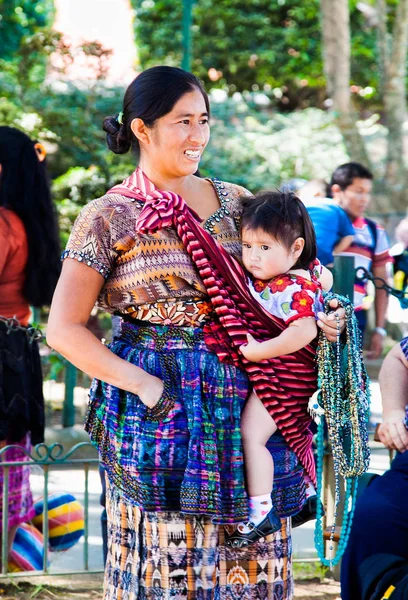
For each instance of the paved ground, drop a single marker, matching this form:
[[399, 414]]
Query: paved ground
[[90, 588], [72, 481]]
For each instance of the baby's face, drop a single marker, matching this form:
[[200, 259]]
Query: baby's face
[[263, 256]]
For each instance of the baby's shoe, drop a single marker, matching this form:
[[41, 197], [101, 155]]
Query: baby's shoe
[[308, 512], [270, 524]]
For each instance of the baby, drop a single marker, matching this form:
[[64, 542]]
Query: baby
[[279, 252]]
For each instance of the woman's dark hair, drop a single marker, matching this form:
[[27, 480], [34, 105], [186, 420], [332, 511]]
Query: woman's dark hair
[[282, 216], [344, 175], [151, 95], [24, 189]]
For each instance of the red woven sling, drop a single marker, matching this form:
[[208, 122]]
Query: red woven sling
[[285, 383]]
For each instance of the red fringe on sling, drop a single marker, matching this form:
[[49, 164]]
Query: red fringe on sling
[[284, 384]]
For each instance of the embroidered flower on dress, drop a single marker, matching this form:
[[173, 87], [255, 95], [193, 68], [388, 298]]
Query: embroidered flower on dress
[[280, 283], [168, 314], [305, 284], [301, 302], [181, 313], [259, 285]]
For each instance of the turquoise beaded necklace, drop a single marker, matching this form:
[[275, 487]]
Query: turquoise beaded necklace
[[344, 401]]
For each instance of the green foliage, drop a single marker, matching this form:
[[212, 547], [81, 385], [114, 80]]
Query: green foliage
[[21, 18], [242, 42], [259, 149], [80, 185], [274, 45], [75, 116], [64, 115], [250, 146], [26, 42]]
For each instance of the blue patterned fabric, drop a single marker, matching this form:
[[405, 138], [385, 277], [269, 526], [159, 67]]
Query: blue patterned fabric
[[186, 453], [404, 346]]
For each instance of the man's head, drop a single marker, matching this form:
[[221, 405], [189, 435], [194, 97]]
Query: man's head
[[351, 186]]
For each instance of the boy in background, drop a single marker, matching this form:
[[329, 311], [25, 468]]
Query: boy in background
[[333, 228]]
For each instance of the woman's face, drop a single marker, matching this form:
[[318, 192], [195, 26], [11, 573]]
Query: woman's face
[[177, 140]]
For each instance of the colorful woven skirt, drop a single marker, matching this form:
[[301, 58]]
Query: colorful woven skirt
[[185, 454], [20, 500], [167, 555]]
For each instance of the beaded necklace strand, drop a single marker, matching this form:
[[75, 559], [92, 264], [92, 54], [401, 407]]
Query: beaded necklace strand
[[344, 400]]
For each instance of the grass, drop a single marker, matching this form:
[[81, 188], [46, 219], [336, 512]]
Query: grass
[[89, 588], [304, 571]]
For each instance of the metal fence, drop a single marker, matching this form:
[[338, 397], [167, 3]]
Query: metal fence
[[52, 457], [48, 458]]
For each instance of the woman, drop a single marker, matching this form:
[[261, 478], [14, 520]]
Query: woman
[[29, 269], [164, 410]]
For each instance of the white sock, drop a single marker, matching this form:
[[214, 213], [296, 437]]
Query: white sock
[[259, 507], [310, 489]]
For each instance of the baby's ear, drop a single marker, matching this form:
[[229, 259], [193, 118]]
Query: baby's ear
[[297, 246]]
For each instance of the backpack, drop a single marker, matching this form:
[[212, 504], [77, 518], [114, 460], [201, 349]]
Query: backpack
[[372, 226]]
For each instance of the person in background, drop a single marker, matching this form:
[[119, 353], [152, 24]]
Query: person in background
[[375, 563], [293, 185], [351, 186], [400, 254], [333, 228], [29, 270]]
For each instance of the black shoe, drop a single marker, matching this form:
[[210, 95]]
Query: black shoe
[[308, 512], [270, 524]]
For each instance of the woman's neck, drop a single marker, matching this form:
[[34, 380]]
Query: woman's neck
[[178, 185]]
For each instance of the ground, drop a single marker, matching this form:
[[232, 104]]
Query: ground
[[89, 587]]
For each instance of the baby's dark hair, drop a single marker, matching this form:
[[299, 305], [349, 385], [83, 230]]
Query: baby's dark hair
[[284, 217]]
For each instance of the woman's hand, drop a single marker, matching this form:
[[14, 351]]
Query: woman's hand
[[328, 323], [150, 390], [392, 431]]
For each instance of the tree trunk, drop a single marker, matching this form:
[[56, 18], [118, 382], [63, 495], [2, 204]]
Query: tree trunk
[[336, 55], [395, 109], [383, 42]]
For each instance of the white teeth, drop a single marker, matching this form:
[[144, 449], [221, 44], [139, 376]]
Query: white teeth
[[192, 153]]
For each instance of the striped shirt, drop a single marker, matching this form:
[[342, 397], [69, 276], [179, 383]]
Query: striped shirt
[[368, 253]]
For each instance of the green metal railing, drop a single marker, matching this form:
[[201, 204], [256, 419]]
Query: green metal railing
[[68, 411], [47, 457], [50, 457], [187, 24], [344, 276]]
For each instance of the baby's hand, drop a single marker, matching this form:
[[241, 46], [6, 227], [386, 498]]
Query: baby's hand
[[252, 350]]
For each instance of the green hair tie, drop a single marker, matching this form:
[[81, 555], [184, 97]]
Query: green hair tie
[[119, 118]]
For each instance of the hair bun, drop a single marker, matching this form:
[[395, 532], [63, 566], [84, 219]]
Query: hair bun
[[116, 136]]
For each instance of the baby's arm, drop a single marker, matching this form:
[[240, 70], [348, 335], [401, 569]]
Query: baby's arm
[[298, 335], [326, 279]]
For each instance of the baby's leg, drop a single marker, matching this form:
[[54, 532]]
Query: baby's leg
[[257, 426]]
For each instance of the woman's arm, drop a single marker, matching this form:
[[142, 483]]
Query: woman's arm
[[298, 335], [343, 244], [75, 296], [394, 389]]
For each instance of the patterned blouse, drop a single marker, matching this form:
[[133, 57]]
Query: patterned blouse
[[151, 276], [290, 296]]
